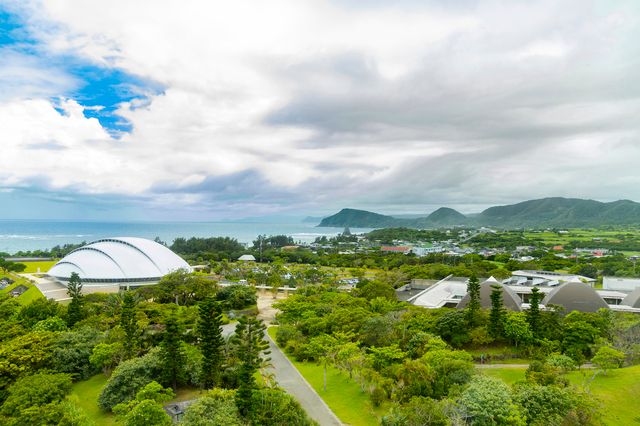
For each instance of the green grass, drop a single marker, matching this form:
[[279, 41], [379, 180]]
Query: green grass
[[617, 391], [85, 395], [44, 265], [343, 395], [509, 375], [28, 296]]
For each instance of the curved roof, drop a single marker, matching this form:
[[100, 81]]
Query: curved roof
[[119, 258], [510, 298], [575, 296], [632, 299]]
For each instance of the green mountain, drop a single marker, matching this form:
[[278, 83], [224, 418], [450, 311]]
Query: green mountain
[[546, 212], [362, 219], [562, 212], [446, 216]]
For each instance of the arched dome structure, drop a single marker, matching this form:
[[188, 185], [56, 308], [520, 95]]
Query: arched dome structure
[[123, 260], [575, 296], [510, 298], [632, 299]]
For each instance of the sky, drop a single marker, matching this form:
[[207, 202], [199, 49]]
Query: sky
[[201, 110]]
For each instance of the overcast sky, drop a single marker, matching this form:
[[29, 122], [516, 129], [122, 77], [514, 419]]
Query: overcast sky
[[197, 110]]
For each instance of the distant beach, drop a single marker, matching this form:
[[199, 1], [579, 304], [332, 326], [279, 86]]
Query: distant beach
[[23, 235]]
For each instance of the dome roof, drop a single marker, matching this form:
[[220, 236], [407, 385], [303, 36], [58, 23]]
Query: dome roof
[[632, 299], [575, 296], [119, 259], [510, 298]]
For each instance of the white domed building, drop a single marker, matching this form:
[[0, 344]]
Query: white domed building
[[118, 261]]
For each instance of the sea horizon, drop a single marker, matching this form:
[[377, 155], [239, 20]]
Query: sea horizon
[[29, 235]]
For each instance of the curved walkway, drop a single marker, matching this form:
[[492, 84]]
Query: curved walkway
[[288, 376]]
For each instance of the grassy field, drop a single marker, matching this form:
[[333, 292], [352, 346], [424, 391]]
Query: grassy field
[[618, 390], [85, 395], [343, 395], [28, 296], [32, 267], [509, 375]]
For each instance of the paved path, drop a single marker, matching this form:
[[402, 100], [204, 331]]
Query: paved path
[[292, 381]]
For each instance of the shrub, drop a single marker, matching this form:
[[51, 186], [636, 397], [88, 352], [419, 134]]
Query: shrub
[[128, 378]]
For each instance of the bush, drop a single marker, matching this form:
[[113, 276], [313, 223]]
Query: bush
[[128, 378], [217, 407], [274, 407], [285, 333], [237, 296]]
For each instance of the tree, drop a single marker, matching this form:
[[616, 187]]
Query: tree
[[533, 314], [146, 409], [473, 308], [487, 401], [496, 315], [128, 324], [376, 289], [276, 407], [172, 355], [23, 355], [608, 358], [544, 405], [75, 308], [250, 343], [419, 411], [106, 356], [128, 378], [183, 288], [36, 390], [516, 328], [211, 341], [216, 407], [72, 351]]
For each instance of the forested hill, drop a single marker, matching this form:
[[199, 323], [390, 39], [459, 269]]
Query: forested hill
[[363, 219], [553, 212]]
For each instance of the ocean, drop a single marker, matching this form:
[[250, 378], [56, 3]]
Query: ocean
[[22, 235]]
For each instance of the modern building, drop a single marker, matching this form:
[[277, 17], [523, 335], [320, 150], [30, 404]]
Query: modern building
[[118, 262], [451, 292], [620, 284]]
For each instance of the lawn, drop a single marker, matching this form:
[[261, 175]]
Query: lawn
[[86, 393], [44, 265], [28, 296], [618, 390], [509, 375], [343, 395]]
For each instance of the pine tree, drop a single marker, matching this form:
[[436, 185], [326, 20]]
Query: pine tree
[[533, 314], [473, 308], [250, 344], [173, 357], [128, 324], [496, 316], [74, 290], [211, 340]]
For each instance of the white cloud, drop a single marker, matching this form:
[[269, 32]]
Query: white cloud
[[329, 105]]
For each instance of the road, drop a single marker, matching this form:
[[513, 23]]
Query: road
[[287, 375]]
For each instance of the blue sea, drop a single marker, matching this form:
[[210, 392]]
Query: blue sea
[[17, 235]]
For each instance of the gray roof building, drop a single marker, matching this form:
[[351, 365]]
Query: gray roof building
[[575, 296], [510, 299]]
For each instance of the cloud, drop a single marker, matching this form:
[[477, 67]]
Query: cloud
[[287, 105]]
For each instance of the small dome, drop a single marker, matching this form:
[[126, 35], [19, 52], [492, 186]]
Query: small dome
[[632, 299], [575, 296], [118, 260], [510, 299]]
